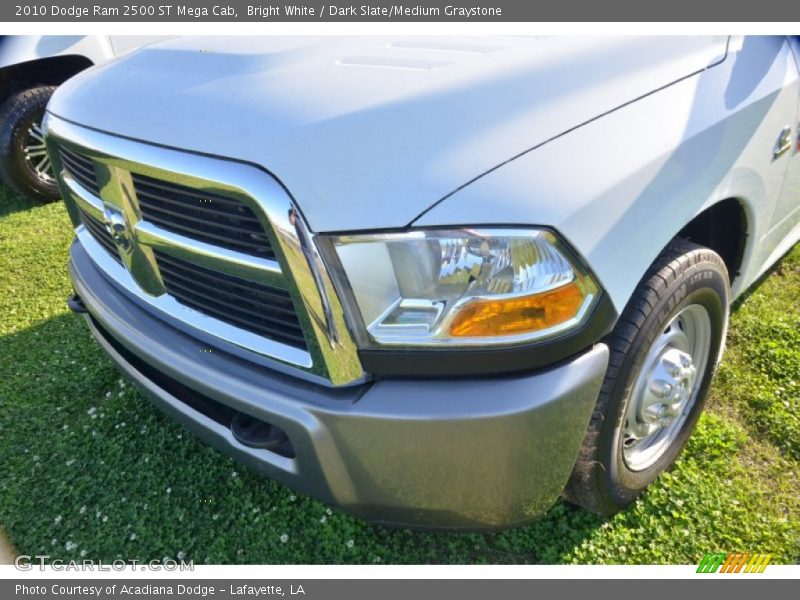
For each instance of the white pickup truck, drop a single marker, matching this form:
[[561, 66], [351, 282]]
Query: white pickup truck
[[435, 281]]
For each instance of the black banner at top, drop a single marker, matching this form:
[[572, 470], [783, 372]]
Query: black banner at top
[[397, 11]]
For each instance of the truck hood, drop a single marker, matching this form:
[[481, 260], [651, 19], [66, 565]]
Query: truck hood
[[370, 132]]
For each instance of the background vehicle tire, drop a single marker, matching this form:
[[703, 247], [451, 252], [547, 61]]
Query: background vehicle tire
[[24, 165], [663, 354]]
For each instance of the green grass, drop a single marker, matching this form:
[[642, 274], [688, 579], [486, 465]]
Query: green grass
[[88, 468]]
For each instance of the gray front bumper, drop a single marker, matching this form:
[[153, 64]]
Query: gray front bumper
[[462, 453]]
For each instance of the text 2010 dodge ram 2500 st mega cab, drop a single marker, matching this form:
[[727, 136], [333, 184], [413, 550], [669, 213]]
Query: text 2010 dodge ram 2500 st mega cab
[[437, 282]]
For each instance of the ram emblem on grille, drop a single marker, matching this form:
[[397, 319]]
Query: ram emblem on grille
[[118, 228]]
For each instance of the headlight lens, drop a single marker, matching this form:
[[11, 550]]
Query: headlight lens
[[460, 287]]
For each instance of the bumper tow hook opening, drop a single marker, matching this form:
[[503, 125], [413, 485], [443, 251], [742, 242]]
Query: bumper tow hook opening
[[76, 305], [257, 434]]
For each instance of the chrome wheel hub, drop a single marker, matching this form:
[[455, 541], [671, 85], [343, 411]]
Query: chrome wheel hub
[[666, 387], [36, 154]]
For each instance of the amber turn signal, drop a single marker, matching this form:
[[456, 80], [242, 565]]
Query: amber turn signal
[[482, 318]]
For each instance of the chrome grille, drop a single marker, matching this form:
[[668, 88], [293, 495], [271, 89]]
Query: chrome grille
[[80, 168], [215, 247], [257, 307], [203, 216], [100, 234]]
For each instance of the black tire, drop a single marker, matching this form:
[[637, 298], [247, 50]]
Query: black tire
[[17, 114], [684, 274]]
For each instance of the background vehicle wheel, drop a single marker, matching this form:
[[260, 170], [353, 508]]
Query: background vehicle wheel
[[24, 164], [664, 351]]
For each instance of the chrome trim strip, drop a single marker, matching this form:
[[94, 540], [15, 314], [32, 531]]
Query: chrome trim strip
[[82, 197], [314, 262], [332, 357], [207, 255]]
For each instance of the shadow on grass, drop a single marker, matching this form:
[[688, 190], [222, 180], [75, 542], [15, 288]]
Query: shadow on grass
[[11, 202], [777, 267]]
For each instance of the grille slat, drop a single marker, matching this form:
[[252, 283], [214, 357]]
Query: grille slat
[[231, 237], [86, 182], [78, 158], [164, 187], [178, 266], [216, 294], [221, 304], [222, 296], [100, 234], [237, 286], [162, 191], [254, 306], [212, 234], [175, 208], [80, 168], [204, 216]]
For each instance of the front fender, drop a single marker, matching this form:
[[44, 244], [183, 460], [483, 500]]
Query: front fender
[[17, 49], [621, 186]]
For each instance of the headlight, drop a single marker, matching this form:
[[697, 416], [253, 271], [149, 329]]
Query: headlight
[[465, 287]]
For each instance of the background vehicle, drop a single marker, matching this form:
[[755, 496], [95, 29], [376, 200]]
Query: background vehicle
[[404, 275], [31, 67]]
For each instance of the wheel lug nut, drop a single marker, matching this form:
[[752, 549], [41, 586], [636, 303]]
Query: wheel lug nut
[[685, 361], [661, 388]]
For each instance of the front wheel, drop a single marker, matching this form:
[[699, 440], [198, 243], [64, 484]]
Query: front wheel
[[24, 164], [663, 353]]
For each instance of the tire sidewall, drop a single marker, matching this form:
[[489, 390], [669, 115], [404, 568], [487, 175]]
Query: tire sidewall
[[14, 137], [706, 284]]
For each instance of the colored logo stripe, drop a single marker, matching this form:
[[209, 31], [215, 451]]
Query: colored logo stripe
[[743, 562]]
